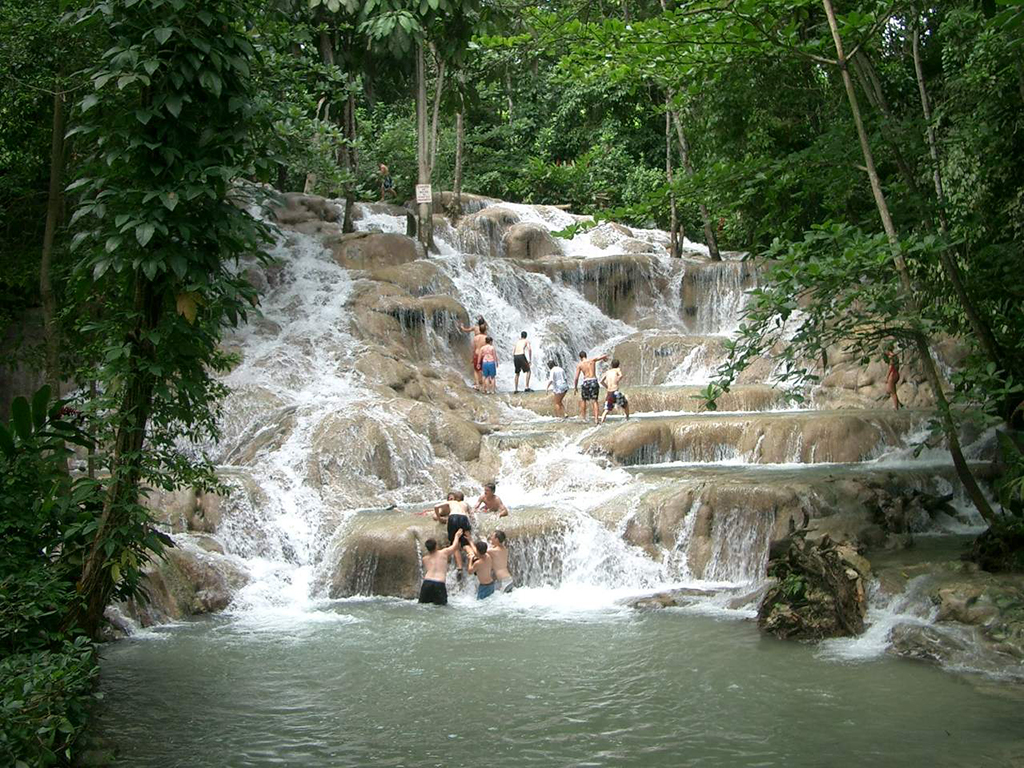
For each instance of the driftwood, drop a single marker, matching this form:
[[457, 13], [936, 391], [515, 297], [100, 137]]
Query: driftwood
[[817, 592]]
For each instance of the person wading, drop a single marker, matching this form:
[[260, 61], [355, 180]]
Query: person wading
[[590, 388], [522, 358]]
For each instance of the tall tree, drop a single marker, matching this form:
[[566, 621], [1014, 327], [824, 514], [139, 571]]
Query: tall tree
[[170, 118]]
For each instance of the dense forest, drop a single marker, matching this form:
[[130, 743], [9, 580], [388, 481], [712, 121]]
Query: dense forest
[[871, 150]]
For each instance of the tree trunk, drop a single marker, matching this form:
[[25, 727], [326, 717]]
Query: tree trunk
[[349, 119], [978, 324], [96, 584], [53, 208], [424, 210], [438, 91], [674, 248], [920, 340], [709, 229], [457, 181], [873, 89]]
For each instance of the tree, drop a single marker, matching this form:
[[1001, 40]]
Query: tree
[[169, 119]]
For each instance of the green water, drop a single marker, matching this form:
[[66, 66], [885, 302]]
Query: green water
[[539, 680]]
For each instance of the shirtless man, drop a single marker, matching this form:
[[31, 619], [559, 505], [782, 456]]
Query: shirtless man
[[559, 385], [611, 380], [490, 502], [481, 564], [435, 568], [586, 368], [499, 560], [892, 378], [489, 365], [522, 357], [479, 332]]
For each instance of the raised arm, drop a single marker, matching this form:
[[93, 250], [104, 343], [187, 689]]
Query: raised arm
[[455, 543]]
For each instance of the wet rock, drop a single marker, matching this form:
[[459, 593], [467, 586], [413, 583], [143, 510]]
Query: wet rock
[[483, 232], [816, 595], [171, 510], [618, 284], [418, 278], [187, 581], [607, 234], [367, 250], [530, 241], [296, 208], [712, 292], [764, 439]]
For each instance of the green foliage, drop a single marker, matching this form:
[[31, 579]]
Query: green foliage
[[44, 700], [45, 673]]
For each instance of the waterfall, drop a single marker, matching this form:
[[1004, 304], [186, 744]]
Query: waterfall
[[350, 410]]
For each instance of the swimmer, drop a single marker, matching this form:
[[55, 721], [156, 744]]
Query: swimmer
[[458, 520], [479, 332]]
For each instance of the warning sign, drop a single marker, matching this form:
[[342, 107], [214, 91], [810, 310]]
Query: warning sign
[[423, 193]]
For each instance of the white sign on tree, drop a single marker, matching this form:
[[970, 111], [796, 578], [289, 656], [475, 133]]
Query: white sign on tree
[[424, 194]]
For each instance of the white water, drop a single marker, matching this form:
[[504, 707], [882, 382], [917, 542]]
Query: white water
[[297, 418]]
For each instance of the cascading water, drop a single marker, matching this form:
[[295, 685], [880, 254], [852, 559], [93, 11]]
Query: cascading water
[[312, 436]]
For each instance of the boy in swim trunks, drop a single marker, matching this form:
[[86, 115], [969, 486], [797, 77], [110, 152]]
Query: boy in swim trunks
[[435, 568], [499, 561], [559, 385], [611, 380], [458, 520], [522, 357], [587, 369], [489, 365], [480, 563], [479, 332]]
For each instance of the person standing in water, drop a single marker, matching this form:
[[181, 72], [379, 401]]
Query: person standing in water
[[590, 389], [522, 357], [490, 502], [499, 561], [435, 569], [559, 385], [892, 378], [387, 184], [479, 333], [480, 563], [611, 380], [489, 365]]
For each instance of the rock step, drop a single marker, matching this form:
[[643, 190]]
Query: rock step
[[661, 399], [772, 437]]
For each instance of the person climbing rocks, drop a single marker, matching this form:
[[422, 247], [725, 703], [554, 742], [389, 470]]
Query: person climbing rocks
[[489, 365], [611, 379], [435, 569], [387, 184], [499, 561], [482, 566], [892, 378], [489, 502], [590, 388], [440, 511], [559, 385], [479, 334], [522, 357], [458, 520]]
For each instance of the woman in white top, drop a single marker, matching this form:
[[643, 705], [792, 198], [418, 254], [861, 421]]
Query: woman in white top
[[559, 385]]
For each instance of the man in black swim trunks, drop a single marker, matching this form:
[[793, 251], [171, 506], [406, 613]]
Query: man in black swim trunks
[[522, 356], [587, 369], [435, 568], [458, 519]]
